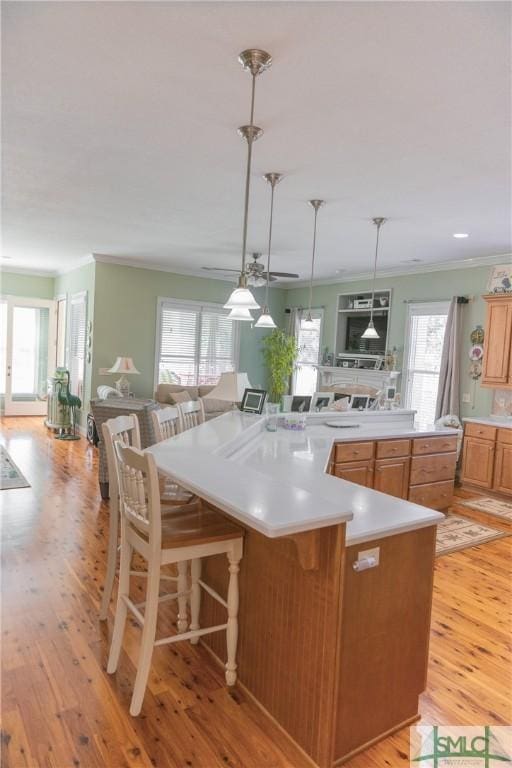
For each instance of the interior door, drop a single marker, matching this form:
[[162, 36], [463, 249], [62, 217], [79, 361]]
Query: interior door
[[28, 354]]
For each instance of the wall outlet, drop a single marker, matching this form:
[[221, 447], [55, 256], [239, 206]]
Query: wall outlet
[[466, 397], [375, 552]]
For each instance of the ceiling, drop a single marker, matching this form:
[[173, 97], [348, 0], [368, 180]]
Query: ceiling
[[119, 132]]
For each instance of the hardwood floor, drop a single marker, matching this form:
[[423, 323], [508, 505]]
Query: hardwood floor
[[60, 708]]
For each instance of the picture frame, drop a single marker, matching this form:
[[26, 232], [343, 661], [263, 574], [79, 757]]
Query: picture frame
[[300, 403], [359, 402], [500, 279], [321, 400], [253, 400]]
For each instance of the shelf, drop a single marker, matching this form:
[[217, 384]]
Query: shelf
[[357, 311]]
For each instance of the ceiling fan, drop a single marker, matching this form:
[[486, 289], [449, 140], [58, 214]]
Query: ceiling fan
[[255, 272]]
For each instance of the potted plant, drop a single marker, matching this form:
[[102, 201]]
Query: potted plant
[[280, 351]]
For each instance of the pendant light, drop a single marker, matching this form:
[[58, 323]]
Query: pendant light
[[371, 332], [265, 319], [255, 61], [308, 322]]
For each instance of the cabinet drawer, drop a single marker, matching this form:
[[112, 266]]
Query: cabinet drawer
[[434, 445], [483, 431], [433, 469], [390, 449], [354, 451], [434, 495], [505, 436]]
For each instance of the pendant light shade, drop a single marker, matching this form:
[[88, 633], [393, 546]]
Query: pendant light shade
[[265, 319], [308, 323], [255, 61], [241, 313], [371, 332], [241, 298]]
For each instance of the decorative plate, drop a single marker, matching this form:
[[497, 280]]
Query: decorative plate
[[476, 352], [477, 336]]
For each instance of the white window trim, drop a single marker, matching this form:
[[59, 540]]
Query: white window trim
[[161, 300], [415, 309]]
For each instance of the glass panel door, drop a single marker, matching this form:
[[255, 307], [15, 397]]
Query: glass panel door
[[30, 355]]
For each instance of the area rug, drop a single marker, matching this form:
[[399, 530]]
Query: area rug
[[490, 506], [10, 475], [459, 533]]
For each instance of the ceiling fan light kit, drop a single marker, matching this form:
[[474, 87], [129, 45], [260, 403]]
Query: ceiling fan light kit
[[371, 332]]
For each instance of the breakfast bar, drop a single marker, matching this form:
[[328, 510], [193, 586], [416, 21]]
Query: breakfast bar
[[336, 578]]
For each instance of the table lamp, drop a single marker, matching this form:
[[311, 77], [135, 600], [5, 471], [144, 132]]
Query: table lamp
[[231, 387], [123, 365]]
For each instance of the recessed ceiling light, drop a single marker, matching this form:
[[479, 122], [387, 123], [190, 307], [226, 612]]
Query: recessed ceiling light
[[339, 271], [461, 234], [411, 261]]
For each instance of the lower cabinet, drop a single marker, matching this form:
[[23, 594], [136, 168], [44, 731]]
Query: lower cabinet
[[360, 472], [487, 457], [503, 469], [478, 462], [392, 476], [421, 470]]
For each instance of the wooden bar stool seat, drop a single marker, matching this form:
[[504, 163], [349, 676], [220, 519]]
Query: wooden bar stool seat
[[187, 536]]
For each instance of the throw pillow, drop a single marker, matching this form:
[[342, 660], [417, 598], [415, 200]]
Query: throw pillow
[[178, 397]]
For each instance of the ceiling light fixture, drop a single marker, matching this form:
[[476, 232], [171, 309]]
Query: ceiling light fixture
[[308, 322], [370, 332], [255, 61], [265, 319], [461, 235]]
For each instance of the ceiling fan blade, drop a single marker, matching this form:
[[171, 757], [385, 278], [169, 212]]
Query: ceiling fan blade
[[219, 269], [283, 274]]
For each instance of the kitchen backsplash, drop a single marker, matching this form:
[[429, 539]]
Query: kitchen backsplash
[[502, 402]]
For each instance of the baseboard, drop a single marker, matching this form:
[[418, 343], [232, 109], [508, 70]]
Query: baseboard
[[376, 740]]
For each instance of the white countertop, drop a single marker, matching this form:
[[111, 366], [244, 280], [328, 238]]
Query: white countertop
[[275, 482], [502, 422]]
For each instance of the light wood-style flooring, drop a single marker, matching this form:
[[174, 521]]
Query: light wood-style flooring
[[59, 707]]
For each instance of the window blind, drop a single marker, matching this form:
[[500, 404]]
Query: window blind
[[308, 342], [424, 344], [77, 332], [196, 343]]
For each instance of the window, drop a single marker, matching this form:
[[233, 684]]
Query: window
[[308, 340], [77, 329], [195, 343], [426, 324], [60, 359]]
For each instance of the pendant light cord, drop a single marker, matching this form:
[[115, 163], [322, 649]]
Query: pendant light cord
[[378, 224], [250, 137], [312, 264], [267, 287]]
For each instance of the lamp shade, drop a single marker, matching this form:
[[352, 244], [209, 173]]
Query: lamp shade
[[265, 320], [239, 313], [123, 365], [371, 332], [241, 298], [231, 387]]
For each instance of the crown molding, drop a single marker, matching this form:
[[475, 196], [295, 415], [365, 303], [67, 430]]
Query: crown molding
[[52, 274], [82, 262], [420, 269]]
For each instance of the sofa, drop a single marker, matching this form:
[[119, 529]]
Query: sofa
[[171, 394]]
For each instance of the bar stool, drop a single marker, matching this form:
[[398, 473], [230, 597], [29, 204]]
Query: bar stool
[[126, 429], [167, 424], [189, 536], [191, 414]]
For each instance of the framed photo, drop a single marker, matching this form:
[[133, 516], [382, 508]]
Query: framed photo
[[301, 403], [360, 402], [500, 279], [253, 400], [321, 400]]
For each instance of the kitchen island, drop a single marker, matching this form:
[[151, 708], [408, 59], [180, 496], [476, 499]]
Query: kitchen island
[[335, 581]]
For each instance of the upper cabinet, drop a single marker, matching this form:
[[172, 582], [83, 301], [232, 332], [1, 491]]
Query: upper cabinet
[[497, 365]]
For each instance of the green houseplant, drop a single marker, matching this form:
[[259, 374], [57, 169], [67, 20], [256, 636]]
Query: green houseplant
[[280, 351]]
